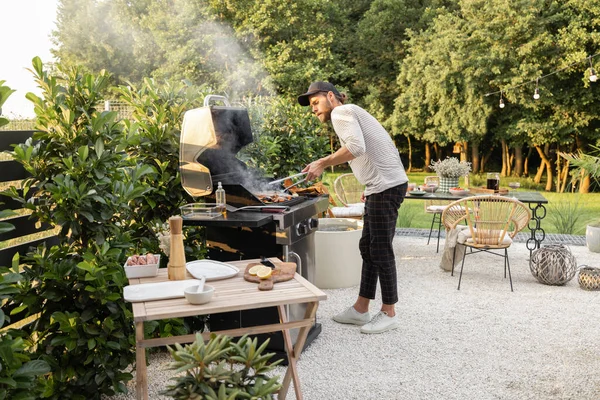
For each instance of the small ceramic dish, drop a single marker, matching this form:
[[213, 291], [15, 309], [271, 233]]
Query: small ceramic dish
[[203, 297], [428, 188], [458, 192], [417, 193], [142, 271]]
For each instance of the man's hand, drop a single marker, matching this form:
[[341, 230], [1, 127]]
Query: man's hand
[[362, 197], [314, 169]]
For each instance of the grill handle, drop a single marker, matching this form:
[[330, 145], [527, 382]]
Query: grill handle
[[215, 97], [298, 260]]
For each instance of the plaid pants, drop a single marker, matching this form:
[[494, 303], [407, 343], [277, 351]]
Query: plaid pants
[[381, 213]]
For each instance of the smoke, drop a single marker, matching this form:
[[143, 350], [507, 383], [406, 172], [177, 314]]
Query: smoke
[[172, 40], [242, 74]]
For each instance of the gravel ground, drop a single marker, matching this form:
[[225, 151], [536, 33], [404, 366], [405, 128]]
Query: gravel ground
[[482, 342]]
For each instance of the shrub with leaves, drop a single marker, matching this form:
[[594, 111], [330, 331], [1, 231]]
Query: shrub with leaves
[[83, 184], [20, 376], [287, 137], [5, 92], [153, 141], [221, 369]]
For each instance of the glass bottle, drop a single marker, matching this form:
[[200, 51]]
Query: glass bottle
[[220, 197], [493, 181]]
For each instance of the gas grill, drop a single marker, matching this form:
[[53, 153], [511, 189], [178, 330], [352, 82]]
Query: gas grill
[[210, 140]]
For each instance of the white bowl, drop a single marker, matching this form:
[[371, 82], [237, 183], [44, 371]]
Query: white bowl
[[461, 192], [428, 188], [203, 297], [142, 271]]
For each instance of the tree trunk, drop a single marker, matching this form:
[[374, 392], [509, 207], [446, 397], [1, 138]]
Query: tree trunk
[[475, 161], [526, 165], [558, 171], [584, 179], [409, 169], [438, 151], [463, 151], [584, 186], [518, 161], [485, 158], [546, 165], [504, 171], [427, 167], [565, 176]]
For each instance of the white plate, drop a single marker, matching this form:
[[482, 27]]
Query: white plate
[[158, 290], [211, 269]]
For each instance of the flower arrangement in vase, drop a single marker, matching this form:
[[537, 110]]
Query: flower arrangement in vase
[[449, 171]]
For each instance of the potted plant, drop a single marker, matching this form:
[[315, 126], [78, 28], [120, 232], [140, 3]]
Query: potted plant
[[587, 164], [221, 369], [592, 236], [449, 171]]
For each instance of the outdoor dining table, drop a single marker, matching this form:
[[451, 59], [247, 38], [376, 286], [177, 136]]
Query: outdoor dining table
[[534, 200], [232, 294]]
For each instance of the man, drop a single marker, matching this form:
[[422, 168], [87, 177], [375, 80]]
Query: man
[[375, 162]]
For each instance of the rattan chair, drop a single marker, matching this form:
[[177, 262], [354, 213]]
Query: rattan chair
[[493, 221], [435, 207], [348, 190]]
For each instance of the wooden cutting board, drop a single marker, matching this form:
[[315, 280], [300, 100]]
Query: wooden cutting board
[[284, 271]]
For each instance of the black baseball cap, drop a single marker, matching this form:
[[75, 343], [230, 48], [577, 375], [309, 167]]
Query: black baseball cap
[[316, 87]]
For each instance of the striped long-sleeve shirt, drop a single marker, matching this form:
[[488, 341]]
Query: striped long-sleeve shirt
[[377, 164]]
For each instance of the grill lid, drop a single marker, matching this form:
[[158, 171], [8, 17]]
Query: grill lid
[[211, 136]]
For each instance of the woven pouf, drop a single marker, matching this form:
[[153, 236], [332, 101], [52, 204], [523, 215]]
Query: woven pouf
[[553, 264], [589, 278]]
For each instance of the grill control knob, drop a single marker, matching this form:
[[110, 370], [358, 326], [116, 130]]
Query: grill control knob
[[301, 228], [313, 223]]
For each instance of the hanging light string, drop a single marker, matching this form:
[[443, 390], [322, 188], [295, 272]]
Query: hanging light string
[[593, 76]]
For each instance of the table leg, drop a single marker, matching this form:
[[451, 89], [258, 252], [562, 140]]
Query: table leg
[[294, 353], [538, 212], [141, 382]]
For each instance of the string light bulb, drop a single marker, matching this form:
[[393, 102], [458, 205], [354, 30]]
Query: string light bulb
[[501, 105], [536, 94], [593, 76]]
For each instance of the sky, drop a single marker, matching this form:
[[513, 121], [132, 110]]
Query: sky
[[24, 33]]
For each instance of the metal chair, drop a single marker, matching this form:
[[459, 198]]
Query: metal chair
[[435, 207], [493, 221]]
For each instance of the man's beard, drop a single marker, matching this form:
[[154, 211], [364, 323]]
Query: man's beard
[[327, 114]]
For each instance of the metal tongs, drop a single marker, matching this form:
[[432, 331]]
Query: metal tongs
[[290, 177]]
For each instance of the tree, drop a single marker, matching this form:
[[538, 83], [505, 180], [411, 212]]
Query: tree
[[379, 46], [294, 41], [136, 39], [500, 48]]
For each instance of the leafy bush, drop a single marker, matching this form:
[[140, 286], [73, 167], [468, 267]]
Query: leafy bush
[[5, 92], [20, 377], [84, 185], [221, 369], [154, 134], [287, 137]]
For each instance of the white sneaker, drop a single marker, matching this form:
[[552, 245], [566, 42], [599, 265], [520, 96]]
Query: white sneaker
[[351, 316], [381, 322]]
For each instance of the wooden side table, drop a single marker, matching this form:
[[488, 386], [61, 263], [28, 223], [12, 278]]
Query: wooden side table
[[233, 294]]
